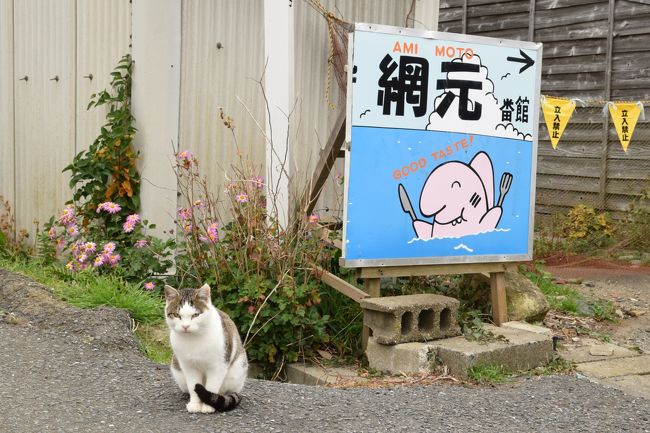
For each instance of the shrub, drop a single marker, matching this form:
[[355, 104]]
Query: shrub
[[261, 273], [587, 230]]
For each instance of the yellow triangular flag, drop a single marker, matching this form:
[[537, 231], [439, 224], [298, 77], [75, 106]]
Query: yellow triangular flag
[[624, 115], [557, 113]]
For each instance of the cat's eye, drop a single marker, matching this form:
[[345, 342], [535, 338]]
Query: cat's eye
[[172, 315], [195, 315]]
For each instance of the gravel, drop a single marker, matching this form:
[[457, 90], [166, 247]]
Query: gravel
[[67, 370]]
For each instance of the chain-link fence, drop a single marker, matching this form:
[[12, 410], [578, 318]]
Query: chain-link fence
[[592, 196]]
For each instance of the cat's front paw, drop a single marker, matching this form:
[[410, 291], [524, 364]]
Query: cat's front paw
[[195, 407]]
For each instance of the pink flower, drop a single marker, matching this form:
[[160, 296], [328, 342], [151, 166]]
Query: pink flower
[[133, 218], [141, 243], [81, 258], [187, 228], [51, 233], [199, 204], [113, 259], [109, 247], [60, 243], [185, 155], [184, 213], [128, 226], [213, 233], [258, 181], [109, 207], [314, 218], [68, 216], [73, 230], [99, 260], [90, 247], [242, 197], [149, 286], [70, 266]]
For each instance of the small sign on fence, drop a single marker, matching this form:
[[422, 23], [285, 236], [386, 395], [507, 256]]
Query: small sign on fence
[[443, 146]]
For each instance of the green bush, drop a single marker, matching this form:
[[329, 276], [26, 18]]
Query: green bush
[[261, 273]]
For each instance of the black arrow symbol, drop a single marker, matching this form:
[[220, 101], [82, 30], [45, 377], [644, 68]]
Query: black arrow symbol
[[528, 62]]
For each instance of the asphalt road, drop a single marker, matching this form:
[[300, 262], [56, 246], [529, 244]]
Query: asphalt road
[[68, 370]]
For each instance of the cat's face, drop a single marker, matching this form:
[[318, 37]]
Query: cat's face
[[186, 310]]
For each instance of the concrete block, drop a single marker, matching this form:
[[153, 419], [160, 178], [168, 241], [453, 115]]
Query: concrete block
[[523, 350], [409, 318], [308, 374], [408, 358]]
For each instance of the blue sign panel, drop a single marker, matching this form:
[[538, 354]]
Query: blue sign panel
[[443, 144]]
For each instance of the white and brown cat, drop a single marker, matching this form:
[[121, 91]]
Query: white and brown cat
[[209, 360]]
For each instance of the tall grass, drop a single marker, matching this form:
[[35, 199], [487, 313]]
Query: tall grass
[[89, 290]]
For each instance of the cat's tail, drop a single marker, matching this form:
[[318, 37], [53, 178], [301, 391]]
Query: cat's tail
[[221, 403]]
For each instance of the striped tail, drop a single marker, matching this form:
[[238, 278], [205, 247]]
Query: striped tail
[[221, 403]]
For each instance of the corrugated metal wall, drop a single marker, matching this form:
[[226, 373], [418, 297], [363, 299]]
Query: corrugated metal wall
[[44, 57], [6, 101], [222, 62], [222, 58], [48, 52], [103, 37]]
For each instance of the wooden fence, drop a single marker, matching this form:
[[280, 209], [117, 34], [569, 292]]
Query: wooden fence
[[596, 51]]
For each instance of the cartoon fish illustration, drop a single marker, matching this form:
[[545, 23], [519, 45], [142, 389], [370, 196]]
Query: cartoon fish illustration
[[460, 199]]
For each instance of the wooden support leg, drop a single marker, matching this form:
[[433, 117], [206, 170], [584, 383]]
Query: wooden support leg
[[498, 297], [372, 288]]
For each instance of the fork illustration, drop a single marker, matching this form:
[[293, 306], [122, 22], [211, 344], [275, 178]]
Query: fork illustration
[[504, 187]]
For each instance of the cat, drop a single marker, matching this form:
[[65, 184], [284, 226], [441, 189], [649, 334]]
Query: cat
[[209, 361]]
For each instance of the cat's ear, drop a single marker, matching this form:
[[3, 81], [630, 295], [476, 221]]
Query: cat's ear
[[204, 293], [171, 293]]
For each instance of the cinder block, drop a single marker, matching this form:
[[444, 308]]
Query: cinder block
[[409, 318], [519, 350]]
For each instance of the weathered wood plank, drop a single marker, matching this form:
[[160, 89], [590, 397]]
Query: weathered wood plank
[[477, 25], [624, 9], [560, 4], [632, 43], [583, 47], [581, 81], [341, 285], [575, 32], [638, 149], [571, 15], [423, 270], [515, 34], [633, 25], [498, 297], [589, 167], [553, 197], [492, 9], [567, 183], [567, 65], [452, 14]]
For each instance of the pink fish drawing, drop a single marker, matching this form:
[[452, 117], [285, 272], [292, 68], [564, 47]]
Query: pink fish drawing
[[460, 199]]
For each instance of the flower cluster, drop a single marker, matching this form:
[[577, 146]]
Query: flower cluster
[[85, 254], [110, 207], [68, 220], [131, 222]]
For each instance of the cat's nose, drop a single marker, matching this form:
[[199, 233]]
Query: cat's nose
[[185, 327]]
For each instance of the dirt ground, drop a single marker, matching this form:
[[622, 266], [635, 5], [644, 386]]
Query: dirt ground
[[626, 285]]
